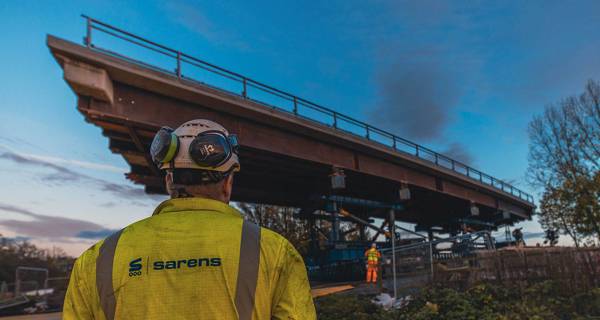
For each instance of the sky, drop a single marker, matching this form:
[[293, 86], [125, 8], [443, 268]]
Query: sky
[[462, 77]]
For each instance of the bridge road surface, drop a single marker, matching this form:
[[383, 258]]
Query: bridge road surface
[[286, 157]]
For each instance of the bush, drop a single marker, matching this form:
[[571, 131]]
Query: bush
[[544, 301], [357, 307]]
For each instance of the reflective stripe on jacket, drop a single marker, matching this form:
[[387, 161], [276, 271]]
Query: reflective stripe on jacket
[[193, 259], [372, 256]]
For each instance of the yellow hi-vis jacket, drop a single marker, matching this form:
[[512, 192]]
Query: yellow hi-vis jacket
[[372, 256], [192, 259]]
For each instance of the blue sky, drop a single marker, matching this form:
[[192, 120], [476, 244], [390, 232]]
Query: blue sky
[[464, 78]]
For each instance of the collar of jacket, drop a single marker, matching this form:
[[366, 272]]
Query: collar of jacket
[[191, 204]]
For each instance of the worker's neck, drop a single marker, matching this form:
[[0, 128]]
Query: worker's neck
[[220, 198], [214, 192]]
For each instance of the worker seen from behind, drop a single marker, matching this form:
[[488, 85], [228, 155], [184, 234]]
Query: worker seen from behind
[[195, 257], [373, 256]]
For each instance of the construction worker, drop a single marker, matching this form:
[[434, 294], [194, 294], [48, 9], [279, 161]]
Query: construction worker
[[373, 257], [195, 257]]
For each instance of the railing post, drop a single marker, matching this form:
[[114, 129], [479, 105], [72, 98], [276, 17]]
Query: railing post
[[17, 283], [178, 64], [335, 120], [436, 159], [244, 92], [431, 258], [88, 33], [368, 133], [394, 142], [417, 150], [453, 165], [392, 228], [480, 177], [295, 105], [468, 171]]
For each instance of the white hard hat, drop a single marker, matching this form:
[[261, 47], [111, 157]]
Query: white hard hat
[[197, 144]]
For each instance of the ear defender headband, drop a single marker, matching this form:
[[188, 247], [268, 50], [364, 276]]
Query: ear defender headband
[[208, 149]]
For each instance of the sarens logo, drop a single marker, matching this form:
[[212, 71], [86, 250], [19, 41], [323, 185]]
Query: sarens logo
[[187, 263], [135, 267]]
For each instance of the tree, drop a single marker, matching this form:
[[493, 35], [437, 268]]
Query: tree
[[15, 253], [557, 213], [283, 221], [280, 220], [564, 160]]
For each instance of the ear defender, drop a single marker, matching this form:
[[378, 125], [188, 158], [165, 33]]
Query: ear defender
[[164, 146], [210, 149]]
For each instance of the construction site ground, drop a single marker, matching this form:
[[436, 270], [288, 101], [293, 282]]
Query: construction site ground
[[44, 316]]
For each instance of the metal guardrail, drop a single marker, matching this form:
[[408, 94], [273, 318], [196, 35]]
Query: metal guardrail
[[18, 300], [337, 120], [484, 236]]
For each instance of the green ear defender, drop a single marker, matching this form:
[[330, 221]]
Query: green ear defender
[[164, 146]]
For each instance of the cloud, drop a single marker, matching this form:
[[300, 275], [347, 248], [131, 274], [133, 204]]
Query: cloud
[[60, 171], [458, 152], [63, 175], [533, 235], [16, 141], [44, 226], [109, 204], [193, 18], [100, 234], [77, 163], [6, 240], [513, 52]]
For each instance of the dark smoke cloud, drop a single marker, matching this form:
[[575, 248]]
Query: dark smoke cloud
[[43, 226], [414, 100], [458, 152]]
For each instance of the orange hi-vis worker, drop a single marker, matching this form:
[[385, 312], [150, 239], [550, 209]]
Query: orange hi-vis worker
[[373, 257]]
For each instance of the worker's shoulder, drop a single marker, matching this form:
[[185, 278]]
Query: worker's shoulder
[[89, 256], [276, 244], [268, 236]]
